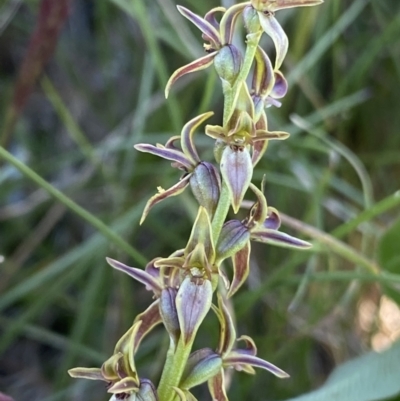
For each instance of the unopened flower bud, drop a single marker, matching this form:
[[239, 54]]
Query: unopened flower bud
[[193, 301], [202, 365], [251, 20], [228, 63], [206, 186], [234, 236], [169, 314]]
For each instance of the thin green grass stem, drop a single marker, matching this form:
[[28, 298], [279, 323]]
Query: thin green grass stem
[[74, 207]]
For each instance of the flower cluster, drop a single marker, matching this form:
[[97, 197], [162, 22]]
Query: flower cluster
[[184, 283]]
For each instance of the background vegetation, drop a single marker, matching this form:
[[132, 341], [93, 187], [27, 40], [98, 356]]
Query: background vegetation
[[72, 189]]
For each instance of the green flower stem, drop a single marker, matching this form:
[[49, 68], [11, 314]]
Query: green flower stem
[[173, 369], [70, 204], [221, 212], [251, 48]]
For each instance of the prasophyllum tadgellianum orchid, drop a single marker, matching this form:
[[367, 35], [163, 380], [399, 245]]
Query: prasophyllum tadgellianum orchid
[[185, 285]]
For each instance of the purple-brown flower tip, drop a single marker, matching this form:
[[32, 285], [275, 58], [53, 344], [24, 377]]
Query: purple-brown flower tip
[[193, 302], [241, 269], [138, 274], [274, 237], [237, 170]]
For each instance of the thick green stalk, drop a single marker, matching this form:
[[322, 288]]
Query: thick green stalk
[[173, 370], [251, 48]]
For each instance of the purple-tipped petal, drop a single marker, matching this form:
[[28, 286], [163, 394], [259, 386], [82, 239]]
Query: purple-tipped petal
[[278, 238], [236, 170], [263, 76], [204, 26], [216, 386], [187, 137], [210, 16], [283, 4], [273, 29], [280, 87], [164, 194], [237, 359], [227, 335], [196, 65], [241, 268], [273, 220], [233, 237], [138, 274], [228, 22], [169, 154], [125, 385], [86, 373], [193, 302], [150, 318]]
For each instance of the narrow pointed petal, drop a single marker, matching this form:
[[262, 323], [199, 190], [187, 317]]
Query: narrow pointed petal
[[237, 359], [110, 367], [273, 29], [200, 367], [210, 16], [263, 76], [164, 194], [227, 335], [196, 65], [262, 135], [215, 132], [259, 149], [273, 220], [251, 348], [86, 373], [233, 237], [150, 318], [193, 302], [241, 269], [125, 385], [216, 386], [170, 144], [236, 170], [169, 154], [260, 209], [206, 186], [176, 262], [147, 391], [140, 275], [228, 21], [208, 29], [187, 137], [274, 237], [153, 270], [202, 234], [283, 4], [169, 313], [244, 102]]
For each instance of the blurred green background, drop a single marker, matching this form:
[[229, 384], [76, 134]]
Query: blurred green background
[[73, 121]]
